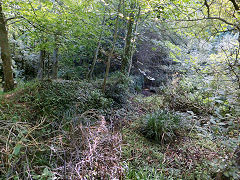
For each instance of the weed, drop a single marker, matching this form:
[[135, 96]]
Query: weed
[[150, 103]]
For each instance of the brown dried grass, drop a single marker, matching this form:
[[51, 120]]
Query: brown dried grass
[[95, 153]]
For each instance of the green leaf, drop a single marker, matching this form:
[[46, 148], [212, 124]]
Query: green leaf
[[46, 172], [213, 121], [17, 149]]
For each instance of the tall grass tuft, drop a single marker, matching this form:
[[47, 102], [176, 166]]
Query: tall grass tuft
[[161, 125]]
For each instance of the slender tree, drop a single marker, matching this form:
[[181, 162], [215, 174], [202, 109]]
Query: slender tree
[[41, 68], [132, 25], [113, 47], [133, 47], [90, 73], [128, 43], [55, 60], [5, 53]]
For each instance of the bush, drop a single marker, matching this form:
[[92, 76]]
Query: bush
[[118, 88], [56, 98], [96, 100], [137, 84], [199, 95], [72, 73], [35, 116], [161, 125]]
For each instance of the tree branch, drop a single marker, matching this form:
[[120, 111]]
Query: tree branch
[[210, 18], [11, 18], [208, 8], [235, 5]]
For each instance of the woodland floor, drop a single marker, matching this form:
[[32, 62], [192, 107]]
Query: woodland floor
[[113, 147], [191, 156]]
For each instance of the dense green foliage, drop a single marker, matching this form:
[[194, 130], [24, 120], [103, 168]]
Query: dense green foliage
[[115, 89]]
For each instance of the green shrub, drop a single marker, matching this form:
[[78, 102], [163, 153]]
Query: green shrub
[[150, 103], [72, 73], [56, 98], [118, 88], [161, 125], [96, 100], [146, 173], [136, 84]]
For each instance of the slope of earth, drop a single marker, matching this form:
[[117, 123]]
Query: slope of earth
[[71, 130], [58, 130], [197, 152]]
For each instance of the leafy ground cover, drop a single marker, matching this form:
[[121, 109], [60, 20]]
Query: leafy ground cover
[[47, 127], [71, 130], [198, 152]]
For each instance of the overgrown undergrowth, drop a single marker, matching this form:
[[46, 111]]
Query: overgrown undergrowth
[[71, 130], [45, 128], [204, 150]]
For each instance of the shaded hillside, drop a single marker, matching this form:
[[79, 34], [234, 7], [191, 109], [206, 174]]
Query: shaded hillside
[[152, 61]]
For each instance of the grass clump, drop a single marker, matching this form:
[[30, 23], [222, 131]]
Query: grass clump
[[161, 125], [150, 103]]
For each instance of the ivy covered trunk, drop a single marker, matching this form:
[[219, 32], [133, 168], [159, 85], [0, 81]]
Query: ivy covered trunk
[[5, 54]]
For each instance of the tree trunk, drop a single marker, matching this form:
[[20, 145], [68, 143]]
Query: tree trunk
[[133, 47], [41, 64], [48, 66], [90, 73], [55, 63], [5, 54], [113, 48], [128, 44]]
